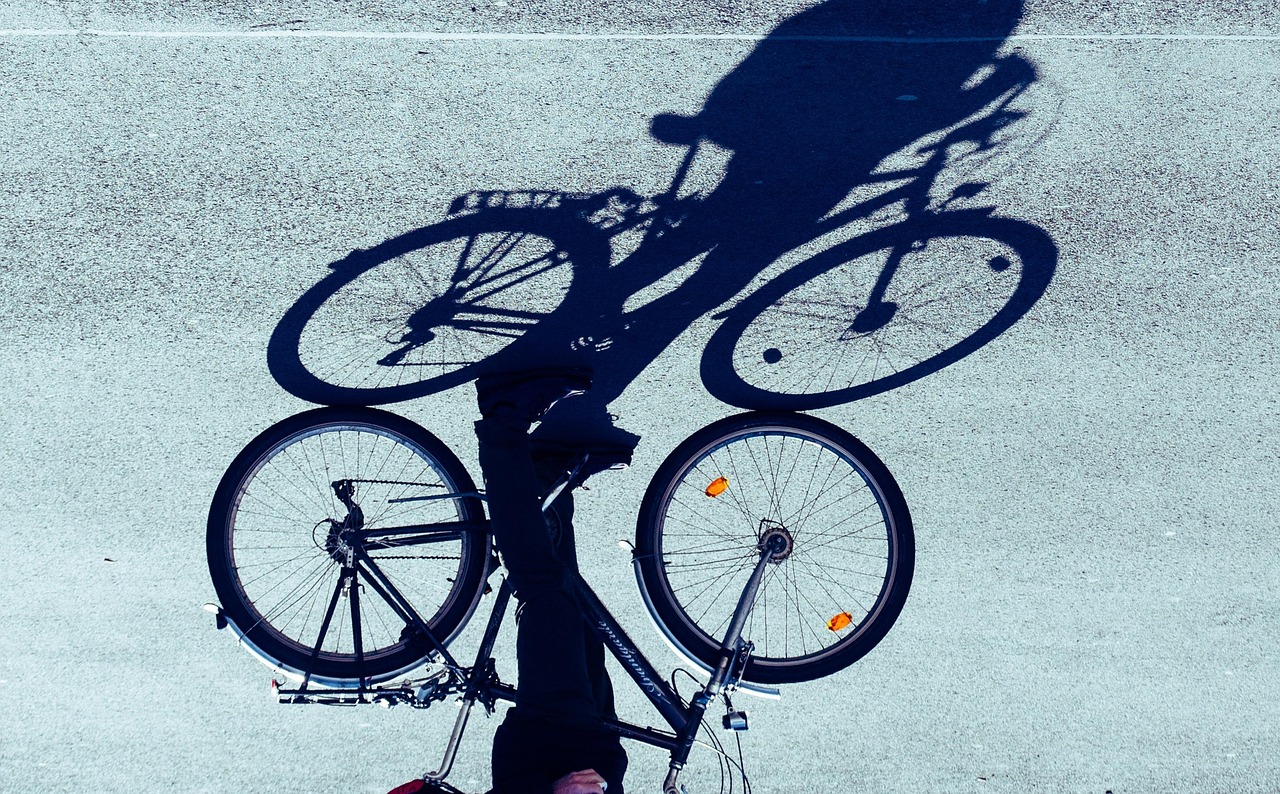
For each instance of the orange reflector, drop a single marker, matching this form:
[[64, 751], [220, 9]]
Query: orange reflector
[[841, 621], [718, 486]]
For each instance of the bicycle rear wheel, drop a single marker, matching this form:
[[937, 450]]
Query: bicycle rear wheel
[[835, 592], [288, 578], [420, 313]]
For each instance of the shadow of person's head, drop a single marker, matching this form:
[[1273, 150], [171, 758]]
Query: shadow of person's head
[[837, 88]]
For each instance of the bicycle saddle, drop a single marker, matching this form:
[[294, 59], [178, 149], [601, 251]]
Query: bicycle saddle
[[561, 455], [675, 129]]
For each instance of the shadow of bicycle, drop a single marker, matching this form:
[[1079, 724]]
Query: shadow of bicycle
[[859, 136]]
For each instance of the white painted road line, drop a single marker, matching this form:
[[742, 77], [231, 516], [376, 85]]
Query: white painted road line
[[435, 36]]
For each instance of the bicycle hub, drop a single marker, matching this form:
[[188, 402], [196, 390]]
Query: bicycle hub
[[775, 539]]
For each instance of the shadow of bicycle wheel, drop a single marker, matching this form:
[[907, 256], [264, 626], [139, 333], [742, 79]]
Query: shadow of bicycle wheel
[[811, 339], [836, 101]]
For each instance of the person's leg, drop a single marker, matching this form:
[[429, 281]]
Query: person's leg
[[556, 726], [564, 547], [550, 641]]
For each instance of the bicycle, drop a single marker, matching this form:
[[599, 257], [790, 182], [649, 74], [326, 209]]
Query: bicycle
[[349, 547], [515, 273]]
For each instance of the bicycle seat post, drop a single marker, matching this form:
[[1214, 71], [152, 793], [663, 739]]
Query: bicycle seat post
[[673, 192]]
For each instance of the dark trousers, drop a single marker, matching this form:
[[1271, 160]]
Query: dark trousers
[[563, 693]]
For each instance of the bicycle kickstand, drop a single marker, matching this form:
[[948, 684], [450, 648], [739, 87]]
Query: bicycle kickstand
[[484, 677], [465, 705]]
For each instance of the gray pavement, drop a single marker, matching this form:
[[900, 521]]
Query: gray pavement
[[1094, 492]]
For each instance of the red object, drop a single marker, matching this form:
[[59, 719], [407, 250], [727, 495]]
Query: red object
[[412, 787]]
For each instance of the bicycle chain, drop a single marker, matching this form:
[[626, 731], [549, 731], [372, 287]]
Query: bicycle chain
[[398, 482]]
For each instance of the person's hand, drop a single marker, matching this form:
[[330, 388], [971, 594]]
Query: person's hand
[[587, 781]]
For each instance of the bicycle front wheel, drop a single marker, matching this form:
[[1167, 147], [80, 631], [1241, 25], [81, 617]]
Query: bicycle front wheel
[[284, 560], [835, 591], [879, 311]]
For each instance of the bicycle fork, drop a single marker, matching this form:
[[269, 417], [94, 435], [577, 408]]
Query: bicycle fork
[[734, 652]]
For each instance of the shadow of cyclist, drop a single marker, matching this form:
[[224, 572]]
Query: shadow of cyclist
[[835, 90], [807, 117]]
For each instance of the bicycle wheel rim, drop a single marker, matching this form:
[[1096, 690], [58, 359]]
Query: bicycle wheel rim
[[282, 557]]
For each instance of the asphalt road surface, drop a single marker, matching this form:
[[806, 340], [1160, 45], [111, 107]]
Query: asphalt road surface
[[1094, 492]]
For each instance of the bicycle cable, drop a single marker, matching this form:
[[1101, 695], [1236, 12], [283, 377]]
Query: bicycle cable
[[723, 758]]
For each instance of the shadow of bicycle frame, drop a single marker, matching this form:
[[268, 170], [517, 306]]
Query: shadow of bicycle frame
[[906, 106]]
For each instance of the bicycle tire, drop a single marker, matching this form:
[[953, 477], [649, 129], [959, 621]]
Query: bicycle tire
[[812, 480], [793, 344], [275, 561], [427, 310]]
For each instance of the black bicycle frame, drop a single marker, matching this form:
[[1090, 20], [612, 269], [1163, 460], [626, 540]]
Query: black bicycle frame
[[481, 683], [684, 719], [679, 716]]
